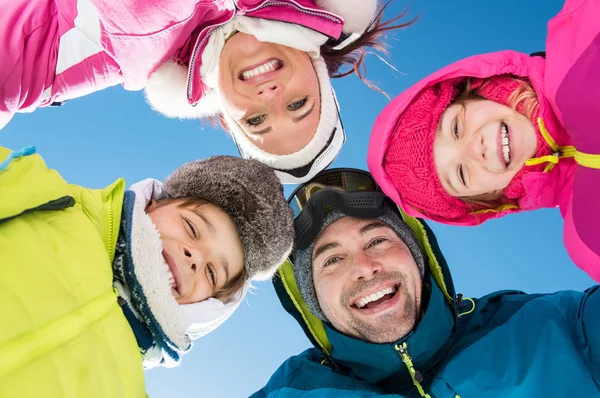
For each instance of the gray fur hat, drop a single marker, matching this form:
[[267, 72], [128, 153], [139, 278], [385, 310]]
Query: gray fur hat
[[251, 194], [303, 258]]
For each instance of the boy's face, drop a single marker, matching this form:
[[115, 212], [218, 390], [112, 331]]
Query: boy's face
[[201, 247]]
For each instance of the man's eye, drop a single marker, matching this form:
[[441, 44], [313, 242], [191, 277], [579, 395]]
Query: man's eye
[[331, 261], [255, 121], [376, 241], [297, 105]]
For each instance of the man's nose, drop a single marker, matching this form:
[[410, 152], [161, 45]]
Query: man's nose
[[365, 267], [269, 93]]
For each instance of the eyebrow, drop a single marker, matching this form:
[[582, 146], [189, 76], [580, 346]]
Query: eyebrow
[[305, 114], [371, 226], [209, 225], [225, 266], [323, 248], [296, 120]]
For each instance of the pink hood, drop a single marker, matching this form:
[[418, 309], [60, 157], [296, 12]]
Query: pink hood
[[543, 189]]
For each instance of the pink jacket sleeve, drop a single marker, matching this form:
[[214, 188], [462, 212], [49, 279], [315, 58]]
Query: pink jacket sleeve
[[573, 87], [28, 44]]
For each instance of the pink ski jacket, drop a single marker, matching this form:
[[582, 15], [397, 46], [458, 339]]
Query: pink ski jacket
[[55, 50], [567, 83]]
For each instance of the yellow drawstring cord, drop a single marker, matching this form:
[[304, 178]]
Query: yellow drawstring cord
[[402, 349], [569, 151], [469, 311]]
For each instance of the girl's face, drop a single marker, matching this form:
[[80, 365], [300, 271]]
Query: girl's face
[[272, 91], [480, 145]]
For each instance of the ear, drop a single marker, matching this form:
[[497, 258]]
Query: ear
[[357, 14]]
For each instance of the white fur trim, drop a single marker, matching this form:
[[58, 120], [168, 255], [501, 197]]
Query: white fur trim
[[327, 122], [151, 272], [166, 92], [357, 14]]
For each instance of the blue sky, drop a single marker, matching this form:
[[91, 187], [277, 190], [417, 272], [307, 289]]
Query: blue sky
[[92, 141]]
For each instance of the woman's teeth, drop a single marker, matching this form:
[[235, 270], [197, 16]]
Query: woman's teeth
[[268, 66], [505, 144]]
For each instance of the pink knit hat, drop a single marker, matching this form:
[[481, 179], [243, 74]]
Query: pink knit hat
[[409, 159]]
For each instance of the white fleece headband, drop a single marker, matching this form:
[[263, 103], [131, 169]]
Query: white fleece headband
[[289, 35]]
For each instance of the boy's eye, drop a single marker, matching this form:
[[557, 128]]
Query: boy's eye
[[212, 275], [376, 242], [297, 105], [192, 228], [331, 261], [256, 120]]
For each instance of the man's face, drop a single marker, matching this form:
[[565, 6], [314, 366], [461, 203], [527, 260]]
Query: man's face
[[367, 282]]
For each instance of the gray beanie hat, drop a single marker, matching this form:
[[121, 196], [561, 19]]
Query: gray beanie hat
[[303, 258], [251, 194]]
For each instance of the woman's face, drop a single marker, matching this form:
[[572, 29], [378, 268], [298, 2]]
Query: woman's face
[[272, 91], [480, 145]]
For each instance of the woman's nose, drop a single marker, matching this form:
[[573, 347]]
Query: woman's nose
[[269, 92]]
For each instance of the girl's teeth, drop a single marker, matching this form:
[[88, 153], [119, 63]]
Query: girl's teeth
[[505, 144]]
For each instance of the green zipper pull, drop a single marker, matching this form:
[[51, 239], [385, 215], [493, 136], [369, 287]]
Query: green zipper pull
[[415, 375]]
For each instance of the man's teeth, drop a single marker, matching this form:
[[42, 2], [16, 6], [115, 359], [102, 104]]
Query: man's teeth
[[268, 66], [171, 278], [505, 146], [375, 296]]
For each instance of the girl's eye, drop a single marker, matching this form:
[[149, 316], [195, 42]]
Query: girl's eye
[[297, 105], [461, 175], [255, 121], [455, 128], [330, 261], [192, 228], [212, 275], [376, 242]]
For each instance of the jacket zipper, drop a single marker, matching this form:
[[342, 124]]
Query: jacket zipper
[[415, 375], [291, 3], [110, 234], [298, 7], [192, 67]]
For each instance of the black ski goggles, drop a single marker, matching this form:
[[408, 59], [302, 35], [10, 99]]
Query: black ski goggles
[[351, 191]]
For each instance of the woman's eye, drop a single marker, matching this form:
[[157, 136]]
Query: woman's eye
[[461, 175], [376, 242], [192, 228], [331, 260], [297, 105], [256, 120]]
